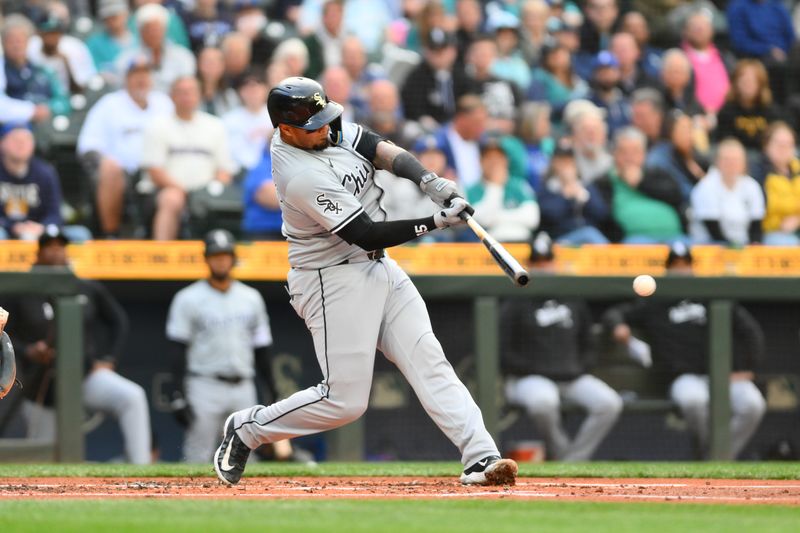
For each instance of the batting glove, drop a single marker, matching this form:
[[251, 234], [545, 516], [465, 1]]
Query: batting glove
[[439, 189], [449, 216]]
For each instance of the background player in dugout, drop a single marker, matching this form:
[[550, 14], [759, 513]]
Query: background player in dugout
[[678, 333], [105, 327], [548, 348], [220, 334], [353, 297]]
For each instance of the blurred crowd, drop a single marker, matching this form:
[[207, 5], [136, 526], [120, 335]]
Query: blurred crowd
[[594, 121]]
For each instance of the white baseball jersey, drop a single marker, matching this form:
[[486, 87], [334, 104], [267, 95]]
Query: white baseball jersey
[[220, 328], [320, 192]]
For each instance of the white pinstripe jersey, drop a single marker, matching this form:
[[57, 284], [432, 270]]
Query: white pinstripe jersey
[[320, 192]]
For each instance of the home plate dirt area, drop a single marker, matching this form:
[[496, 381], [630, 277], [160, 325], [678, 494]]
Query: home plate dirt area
[[531, 489]]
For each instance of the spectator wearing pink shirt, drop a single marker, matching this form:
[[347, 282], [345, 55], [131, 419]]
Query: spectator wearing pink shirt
[[711, 78]]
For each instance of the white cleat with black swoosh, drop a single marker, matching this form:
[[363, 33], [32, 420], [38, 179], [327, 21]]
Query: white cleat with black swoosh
[[231, 456], [491, 470]]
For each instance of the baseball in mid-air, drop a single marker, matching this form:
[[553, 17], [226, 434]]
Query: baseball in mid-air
[[644, 285]]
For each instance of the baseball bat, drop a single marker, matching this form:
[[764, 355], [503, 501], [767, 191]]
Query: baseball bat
[[510, 266]]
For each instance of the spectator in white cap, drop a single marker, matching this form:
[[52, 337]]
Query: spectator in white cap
[[170, 61], [510, 64], [113, 39]]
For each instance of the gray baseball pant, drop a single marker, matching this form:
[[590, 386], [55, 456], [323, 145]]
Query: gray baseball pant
[[350, 310], [541, 398], [105, 391], [691, 393], [212, 401]]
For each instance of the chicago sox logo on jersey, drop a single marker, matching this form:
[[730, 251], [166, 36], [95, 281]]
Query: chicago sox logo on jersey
[[329, 205]]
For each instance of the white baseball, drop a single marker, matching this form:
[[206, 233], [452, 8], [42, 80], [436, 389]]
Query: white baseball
[[644, 285]]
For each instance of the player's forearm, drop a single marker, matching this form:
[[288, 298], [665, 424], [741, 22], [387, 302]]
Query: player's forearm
[[370, 235], [398, 161]]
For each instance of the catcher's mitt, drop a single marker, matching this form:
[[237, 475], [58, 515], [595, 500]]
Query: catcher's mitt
[[8, 366]]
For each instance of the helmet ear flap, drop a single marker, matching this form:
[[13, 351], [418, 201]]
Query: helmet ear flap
[[335, 132]]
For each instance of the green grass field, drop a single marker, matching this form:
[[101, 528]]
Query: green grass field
[[720, 470], [461, 516], [379, 516]]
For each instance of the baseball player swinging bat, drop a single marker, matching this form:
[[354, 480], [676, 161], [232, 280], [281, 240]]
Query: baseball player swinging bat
[[510, 266]]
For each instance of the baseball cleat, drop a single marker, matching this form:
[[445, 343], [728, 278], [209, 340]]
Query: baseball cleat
[[231, 456], [491, 470]]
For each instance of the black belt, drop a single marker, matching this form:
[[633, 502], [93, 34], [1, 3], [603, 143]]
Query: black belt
[[374, 255], [232, 380]]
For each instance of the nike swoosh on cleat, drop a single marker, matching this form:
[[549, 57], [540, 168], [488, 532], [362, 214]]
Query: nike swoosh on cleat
[[226, 465], [483, 462]]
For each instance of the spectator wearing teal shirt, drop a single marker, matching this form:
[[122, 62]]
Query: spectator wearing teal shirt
[[555, 81], [510, 64], [505, 205], [115, 38], [645, 203]]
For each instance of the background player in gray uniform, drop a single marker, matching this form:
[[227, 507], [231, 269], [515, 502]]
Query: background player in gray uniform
[[352, 296], [547, 352], [220, 332]]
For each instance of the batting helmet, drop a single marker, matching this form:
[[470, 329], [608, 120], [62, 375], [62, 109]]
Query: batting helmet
[[302, 103], [219, 241]]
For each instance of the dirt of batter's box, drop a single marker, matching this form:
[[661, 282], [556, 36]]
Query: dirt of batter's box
[[590, 489]]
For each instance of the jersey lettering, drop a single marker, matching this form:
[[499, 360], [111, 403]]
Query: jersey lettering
[[359, 179], [329, 205]]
